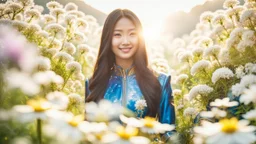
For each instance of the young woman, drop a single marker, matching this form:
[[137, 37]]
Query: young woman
[[121, 73]]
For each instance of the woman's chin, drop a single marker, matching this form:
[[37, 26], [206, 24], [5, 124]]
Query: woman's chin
[[125, 56]]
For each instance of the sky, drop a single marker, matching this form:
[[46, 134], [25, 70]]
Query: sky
[[152, 13]]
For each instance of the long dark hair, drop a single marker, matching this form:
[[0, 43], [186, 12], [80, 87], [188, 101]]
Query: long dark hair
[[148, 83]]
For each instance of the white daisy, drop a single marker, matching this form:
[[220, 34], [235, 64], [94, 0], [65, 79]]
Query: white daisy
[[32, 14], [69, 48], [240, 71], [249, 35], [241, 47], [199, 66], [82, 24], [59, 100], [55, 29], [79, 76], [75, 98], [57, 12], [49, 18], [44, 63], [249, 95], [237, 89], [205, 42], [70, 6], [227, 131], [190, 112], [34, 28], [212, 51], [83, 48], [215, 112], [250, 68], [43, 34], [20, 25], [76, 13], [222, 73], [147, 125], [90, 58], [248, 80], [185, 56], [199, 90], [224, 103], [177, 92], [16, 79], [198, 51], [15, 6], [127, 135], [67, 128], [237, 32], [232, 42], [63, 56], [219, 19], [47, 77], [79, 38], [247, 14], [140, 104], [74, 66], [250, 115], [53, 4], [39, 8], [102, 112], [35, 109], [206, 17], [181, 78], [230, 3]]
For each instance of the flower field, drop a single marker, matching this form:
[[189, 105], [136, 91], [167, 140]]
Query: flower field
[[45, 59]]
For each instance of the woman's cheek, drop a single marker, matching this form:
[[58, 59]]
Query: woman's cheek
[[115, 42]]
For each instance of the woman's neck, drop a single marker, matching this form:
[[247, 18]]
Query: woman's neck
[[124, 63]]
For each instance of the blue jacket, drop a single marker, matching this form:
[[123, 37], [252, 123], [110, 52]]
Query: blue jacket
[[124, 89]]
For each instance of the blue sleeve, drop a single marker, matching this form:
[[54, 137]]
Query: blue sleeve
[[87, 91], [167, 111]]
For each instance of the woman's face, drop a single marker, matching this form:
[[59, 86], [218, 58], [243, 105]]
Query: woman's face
[[125, 39]]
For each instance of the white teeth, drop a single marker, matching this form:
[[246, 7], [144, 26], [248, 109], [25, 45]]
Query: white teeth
[[125, 50]]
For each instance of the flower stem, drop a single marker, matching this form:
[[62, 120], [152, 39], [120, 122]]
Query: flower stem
[[207, 74], [217, 60], [30, 19], [39, 131], [67, 79], [55, 34]]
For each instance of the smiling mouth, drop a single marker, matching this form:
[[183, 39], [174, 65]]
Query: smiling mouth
[[125, 50]]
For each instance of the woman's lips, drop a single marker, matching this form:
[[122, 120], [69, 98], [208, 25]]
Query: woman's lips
[[125, 50]]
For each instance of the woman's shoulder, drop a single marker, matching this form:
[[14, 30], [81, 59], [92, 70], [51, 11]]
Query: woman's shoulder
[[163, 77]]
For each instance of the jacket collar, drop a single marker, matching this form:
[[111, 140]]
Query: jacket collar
[[119, 71]]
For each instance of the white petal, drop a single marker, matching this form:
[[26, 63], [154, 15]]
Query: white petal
[[139, 140], [218, 139]]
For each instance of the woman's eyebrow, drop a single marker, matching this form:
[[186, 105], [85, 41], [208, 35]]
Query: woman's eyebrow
[[122, 30]]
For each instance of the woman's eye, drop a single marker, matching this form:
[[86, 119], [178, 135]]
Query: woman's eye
[[117, 34], [133, 34]]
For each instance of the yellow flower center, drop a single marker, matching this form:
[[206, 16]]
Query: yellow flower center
[[126, 133], [74, 121], [229, 125], [39, 105], [149, 122], [98, 136]]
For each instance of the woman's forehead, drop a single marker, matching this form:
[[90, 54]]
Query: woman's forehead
[[124, 24]]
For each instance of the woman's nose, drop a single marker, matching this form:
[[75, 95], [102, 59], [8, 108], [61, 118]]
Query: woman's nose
[[125, 40]]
